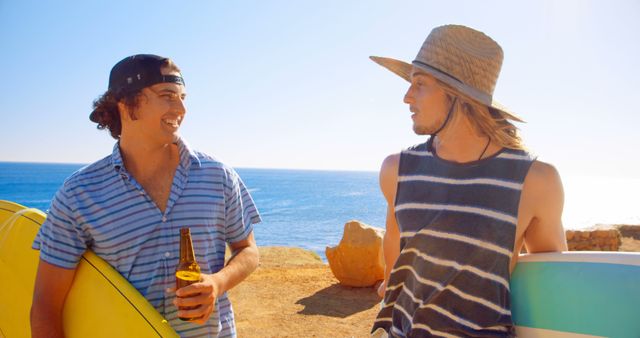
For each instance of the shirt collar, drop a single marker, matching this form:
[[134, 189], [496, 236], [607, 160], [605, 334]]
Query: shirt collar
[[116, 157], [187, 156]]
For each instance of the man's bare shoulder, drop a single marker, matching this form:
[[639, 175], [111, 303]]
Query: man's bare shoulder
[[389, 176], [391, 164], [542, 177], [543, 201], [542, 191]]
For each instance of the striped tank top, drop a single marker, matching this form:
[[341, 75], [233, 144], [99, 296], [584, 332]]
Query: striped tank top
[[457, 224]]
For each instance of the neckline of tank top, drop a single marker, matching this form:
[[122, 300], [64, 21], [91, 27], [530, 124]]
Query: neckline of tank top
[[462, 164]]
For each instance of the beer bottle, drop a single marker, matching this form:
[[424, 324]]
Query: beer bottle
[[188, 270]]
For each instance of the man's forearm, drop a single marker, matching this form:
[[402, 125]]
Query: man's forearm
[[240, 266], [46, 323], [49, 294]]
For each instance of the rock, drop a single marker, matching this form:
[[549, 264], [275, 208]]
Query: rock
[[598, 238], [632, 231], [570, 235], [358, 259]]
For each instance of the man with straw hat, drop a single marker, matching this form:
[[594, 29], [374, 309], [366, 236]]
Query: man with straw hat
[[461, 205]]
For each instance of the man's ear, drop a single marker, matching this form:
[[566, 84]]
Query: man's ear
[[126, 114]]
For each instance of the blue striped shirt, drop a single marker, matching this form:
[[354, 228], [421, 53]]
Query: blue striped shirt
[[102, 208]]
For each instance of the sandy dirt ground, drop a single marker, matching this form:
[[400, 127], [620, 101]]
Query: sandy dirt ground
[[293, 294]]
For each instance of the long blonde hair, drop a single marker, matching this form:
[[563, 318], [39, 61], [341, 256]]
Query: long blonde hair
[[487, 121]]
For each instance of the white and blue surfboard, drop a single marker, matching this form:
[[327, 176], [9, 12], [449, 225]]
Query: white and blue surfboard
[[577, 294]]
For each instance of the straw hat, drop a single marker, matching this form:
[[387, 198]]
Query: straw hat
[[463, 58]]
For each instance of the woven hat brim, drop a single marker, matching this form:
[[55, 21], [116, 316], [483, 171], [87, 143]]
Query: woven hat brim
[[404, 69]]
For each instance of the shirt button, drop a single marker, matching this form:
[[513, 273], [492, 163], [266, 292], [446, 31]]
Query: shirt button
[[167, 254], [164, 219]]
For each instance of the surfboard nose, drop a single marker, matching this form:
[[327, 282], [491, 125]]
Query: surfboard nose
[[576, 294], [101, 303]]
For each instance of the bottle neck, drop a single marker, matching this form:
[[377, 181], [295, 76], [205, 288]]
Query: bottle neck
[[186, 246]]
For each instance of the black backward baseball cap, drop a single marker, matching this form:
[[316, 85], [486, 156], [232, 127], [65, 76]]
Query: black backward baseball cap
[[136, 72]]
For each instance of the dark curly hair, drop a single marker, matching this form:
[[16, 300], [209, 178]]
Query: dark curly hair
[[106, 106]]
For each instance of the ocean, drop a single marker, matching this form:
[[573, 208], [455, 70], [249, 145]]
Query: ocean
[[308, 209], [301, 208]]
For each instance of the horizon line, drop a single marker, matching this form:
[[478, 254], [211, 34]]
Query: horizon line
[[235, 167]]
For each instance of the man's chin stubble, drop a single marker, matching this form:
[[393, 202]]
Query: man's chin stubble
[[420, 130]]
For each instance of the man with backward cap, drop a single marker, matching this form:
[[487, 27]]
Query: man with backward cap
[[129, 207], [462, 205]]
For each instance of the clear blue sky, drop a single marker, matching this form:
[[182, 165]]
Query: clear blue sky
[[288, 84]]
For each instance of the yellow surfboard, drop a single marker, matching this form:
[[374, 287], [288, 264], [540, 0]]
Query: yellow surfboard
[[101, 303]]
